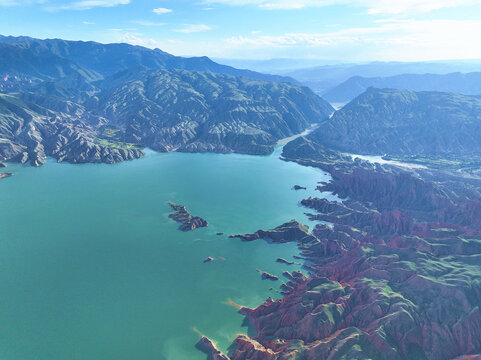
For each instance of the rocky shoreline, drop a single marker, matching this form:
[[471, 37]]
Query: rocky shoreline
[[396, 276], [208, 347]]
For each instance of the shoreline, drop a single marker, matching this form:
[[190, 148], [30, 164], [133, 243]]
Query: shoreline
[[351, 258]]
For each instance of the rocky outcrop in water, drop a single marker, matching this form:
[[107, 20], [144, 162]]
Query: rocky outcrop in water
[[188, 222], [266, 276], [284, 261], [298, 187], [5, 175], [290, 231], [207, 346]]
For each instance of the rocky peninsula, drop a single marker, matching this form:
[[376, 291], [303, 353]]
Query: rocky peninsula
[[208, 347]]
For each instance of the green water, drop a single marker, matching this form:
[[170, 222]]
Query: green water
[[92, 268]]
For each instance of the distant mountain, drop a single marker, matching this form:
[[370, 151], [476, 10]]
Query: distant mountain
[[467, 84], [89, 102], [280, 66], [323, 78], [175, 110], [198, 112], [108, 59], [403, 122], [28, 67]]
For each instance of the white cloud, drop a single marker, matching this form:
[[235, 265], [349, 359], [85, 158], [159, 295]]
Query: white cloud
[[89, 4], [88, 23], [414, 6], [194, 28], [161, 11], [136, 39], [405, 40], [147, 23], [373, 6], [391, 40], [21, 2]]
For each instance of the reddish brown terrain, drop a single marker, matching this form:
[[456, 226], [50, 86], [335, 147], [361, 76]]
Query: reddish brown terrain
[[396, 276]]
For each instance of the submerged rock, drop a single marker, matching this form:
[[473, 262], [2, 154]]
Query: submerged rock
[[298, 187]]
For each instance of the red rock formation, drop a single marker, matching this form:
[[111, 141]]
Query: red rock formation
[[207, 346], [397, 275]]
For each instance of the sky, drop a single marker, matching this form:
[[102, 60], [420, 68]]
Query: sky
[[341, 30]]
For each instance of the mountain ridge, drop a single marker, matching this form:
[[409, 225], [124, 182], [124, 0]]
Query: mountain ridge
[[89, 102], [108, 59], [404, 122], [461, 83]]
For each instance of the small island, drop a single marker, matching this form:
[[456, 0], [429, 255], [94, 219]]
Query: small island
[[266, 276], [188, 222], [5, 175], [284, 261]]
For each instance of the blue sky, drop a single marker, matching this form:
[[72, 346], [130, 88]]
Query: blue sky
[[357, 30]]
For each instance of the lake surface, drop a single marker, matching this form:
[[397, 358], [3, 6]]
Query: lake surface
[[92, 268], [380, 160]]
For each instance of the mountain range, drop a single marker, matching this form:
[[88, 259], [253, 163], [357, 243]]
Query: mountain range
[[404, 122], [326, 77], [462, 83], [90, 102]]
